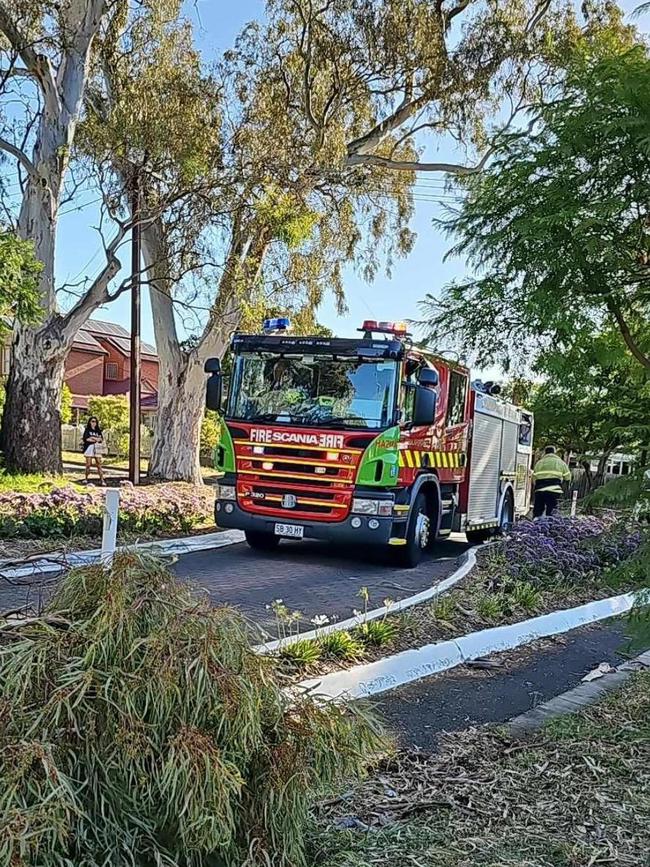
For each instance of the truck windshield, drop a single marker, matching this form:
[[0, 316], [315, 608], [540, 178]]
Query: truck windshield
[[318, 390]]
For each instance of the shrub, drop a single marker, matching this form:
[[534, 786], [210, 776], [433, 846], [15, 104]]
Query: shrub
[[210, 436], [525, 596], [341, 645], [66, 512], [443, 608], [377, 633], [490, 606], [301, 653], [557, 550], [139, 727]]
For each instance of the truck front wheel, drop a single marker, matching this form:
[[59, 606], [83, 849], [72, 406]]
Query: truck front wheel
[[261, 541], [418, 534]]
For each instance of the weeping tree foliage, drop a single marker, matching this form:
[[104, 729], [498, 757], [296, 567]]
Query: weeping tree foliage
[[556, 228], [139, 728]]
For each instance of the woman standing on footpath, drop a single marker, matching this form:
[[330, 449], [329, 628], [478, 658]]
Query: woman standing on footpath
[[93, 448]]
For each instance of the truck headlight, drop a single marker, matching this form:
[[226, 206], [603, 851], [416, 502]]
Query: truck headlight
[[227, 492], [372, 507]]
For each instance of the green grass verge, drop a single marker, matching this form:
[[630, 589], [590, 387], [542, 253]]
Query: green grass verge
[[576, 794]]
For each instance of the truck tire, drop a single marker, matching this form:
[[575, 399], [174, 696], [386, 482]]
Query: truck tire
[[507, 516], [506, 519], [261, 541], [418, 534]]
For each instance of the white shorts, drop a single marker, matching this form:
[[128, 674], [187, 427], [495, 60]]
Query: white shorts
[[90, 451]]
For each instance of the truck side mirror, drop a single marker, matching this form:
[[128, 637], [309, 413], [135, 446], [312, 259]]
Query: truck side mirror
[[428, 376], [424, 406], [214, 387]]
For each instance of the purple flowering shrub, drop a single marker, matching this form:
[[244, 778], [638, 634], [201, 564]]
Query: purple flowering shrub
[[561, 550], [65, 512]]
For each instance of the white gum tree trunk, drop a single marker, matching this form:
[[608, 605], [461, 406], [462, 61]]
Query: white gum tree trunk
[[181, 389], [31, 429]]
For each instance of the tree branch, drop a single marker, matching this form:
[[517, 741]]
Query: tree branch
[[408, 166], [626, 334], [98, 292], [373, 138], [38, 64], [22, 157]]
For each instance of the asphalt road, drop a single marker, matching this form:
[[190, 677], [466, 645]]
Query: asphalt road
[[311, 577], [464, 697]]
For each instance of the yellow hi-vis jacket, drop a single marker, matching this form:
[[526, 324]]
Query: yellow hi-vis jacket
[[549, 472]]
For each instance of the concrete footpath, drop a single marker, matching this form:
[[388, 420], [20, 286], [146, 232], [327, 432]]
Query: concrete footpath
[[469, 696]]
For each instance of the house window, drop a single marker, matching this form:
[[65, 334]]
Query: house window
[[457, 394], [111, 370]]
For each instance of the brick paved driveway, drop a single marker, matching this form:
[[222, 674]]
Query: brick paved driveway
[[313, 577]]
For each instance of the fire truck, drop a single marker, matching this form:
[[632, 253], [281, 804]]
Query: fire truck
[[367, 441]]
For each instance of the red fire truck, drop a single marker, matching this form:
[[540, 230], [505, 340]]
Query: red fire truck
[[370, 441]]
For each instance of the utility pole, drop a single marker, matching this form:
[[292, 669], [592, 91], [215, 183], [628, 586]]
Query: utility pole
[[134, 390]]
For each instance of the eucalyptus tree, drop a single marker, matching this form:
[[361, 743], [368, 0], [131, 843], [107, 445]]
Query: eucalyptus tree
[[323, 113], [46, 53]]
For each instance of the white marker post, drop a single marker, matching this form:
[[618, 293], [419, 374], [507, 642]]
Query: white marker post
[[574, 504], [109, 532]]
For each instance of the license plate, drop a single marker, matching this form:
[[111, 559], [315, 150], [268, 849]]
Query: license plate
[[293, 531]]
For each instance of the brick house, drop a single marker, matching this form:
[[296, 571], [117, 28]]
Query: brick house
[[100, 363]]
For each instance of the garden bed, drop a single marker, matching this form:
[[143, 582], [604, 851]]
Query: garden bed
[[63, 516], [541, 567]]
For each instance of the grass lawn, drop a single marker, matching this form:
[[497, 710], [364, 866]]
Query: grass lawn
[[115, 463], [575, 795]]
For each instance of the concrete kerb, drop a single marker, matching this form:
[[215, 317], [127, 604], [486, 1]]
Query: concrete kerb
[[182, 545], [468, 562], [363, 681]]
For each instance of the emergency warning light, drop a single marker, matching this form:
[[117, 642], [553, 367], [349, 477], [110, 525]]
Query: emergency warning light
[[278, 323], [399, 329]]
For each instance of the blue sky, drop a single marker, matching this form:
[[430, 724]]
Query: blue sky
[[217, 22]]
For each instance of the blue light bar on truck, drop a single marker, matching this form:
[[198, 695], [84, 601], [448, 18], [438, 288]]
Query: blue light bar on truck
[[279, 323]]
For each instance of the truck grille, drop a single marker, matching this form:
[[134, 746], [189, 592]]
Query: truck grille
[[290, 481]]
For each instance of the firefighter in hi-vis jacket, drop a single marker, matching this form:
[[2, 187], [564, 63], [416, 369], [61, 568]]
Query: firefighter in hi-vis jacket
[[549, 473]]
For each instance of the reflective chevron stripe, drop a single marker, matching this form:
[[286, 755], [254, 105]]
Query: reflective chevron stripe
[[413, 458]]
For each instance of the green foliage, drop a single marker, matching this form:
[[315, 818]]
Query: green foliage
[[523, 594], [37, 507], [66, 404], [287, 218], [378, 633], [210, 435], [490, 606], [557, 225], [444, 608], [341, 645], [139, 723], [112, 412], [301, 653], [19, 274], [29, 484], [622, 494], [595, 399]]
